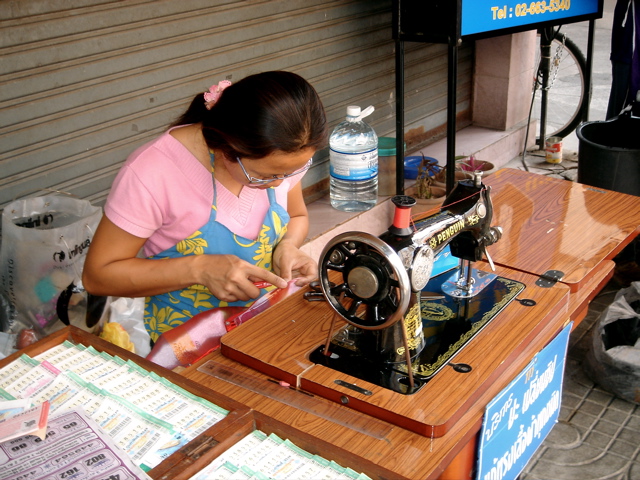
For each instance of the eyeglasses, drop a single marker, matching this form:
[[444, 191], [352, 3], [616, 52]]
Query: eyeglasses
[[274, 178]]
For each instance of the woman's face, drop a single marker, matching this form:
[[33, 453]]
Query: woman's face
[[269, 171]]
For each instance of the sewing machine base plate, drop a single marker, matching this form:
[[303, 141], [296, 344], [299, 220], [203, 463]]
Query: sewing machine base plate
[[448, 325]]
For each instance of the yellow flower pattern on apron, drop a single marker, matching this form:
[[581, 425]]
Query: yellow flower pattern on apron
[[167, 311]]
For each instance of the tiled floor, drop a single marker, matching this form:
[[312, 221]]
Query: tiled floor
[[598, 434]]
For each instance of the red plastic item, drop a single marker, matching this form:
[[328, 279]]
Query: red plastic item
[[200, 335]]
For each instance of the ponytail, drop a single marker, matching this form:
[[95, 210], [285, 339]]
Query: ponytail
[[196, 112]]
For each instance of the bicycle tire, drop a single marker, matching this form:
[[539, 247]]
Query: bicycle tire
[[566, 96]]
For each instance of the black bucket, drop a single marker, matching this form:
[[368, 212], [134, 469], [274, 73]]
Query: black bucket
[[609, 154]]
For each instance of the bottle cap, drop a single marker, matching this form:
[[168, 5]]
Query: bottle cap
[[353, 111], [354, 114]]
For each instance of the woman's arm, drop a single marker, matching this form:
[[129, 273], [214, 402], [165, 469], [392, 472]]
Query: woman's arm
[[113, 268], [288, 260]]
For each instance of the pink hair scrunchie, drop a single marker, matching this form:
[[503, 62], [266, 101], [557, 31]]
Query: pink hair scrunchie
[[212, 96]]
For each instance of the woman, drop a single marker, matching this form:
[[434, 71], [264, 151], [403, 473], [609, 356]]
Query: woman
[[215, 203]]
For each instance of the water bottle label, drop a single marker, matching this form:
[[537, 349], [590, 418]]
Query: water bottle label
[[354, 166]]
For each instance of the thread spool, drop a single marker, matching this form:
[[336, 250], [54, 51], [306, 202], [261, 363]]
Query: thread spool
[[402, 218], [402, 214]]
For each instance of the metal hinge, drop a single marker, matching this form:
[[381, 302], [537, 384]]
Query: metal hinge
[[196, 448], [549, 278]]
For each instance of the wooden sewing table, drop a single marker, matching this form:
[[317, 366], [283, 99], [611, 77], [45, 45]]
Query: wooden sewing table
[[554, 226], [550, 225]]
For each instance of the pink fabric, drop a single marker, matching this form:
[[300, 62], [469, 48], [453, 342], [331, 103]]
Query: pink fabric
[[164, 194]]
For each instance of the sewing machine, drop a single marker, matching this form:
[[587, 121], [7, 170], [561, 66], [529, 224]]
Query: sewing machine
[[384, 326], [397, 314]]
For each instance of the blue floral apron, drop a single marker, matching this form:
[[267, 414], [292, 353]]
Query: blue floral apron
[[166, 311]]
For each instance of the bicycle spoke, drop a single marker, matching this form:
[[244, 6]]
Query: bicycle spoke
[[566, 90]]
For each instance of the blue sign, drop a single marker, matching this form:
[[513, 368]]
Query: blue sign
[[522, 415], [479, 16]]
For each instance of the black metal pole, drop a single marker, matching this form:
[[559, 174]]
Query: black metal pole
[[451, 113], [546, 36], [399, 117], [589, 72]]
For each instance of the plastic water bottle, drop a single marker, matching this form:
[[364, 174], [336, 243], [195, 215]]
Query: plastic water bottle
[[353, 159]]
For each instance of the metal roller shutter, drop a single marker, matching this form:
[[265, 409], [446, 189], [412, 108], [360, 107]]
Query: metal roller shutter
[[84, 82]]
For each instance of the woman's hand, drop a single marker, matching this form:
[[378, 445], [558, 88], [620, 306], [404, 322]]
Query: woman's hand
[[231, 279], [287, 259]]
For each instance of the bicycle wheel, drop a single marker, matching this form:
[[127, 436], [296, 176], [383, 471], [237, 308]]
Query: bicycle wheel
[[566, 94]]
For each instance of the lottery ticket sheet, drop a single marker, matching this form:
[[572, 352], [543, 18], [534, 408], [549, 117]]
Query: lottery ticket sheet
[[32, 421], [259, 456], [147, 416], [74, 448]]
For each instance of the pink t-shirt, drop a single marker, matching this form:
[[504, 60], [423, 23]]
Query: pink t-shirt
[[164, 194]]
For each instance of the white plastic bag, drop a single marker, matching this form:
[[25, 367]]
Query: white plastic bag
[[44, 244], [129, 313]]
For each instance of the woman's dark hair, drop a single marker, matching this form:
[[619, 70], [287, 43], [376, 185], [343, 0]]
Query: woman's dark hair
[[261, 114]]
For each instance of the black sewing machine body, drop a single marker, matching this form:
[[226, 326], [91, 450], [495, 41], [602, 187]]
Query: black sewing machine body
[[397, 314]]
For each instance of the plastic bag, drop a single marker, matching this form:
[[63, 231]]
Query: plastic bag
[[613, 361], [129, 312], [44, 245]]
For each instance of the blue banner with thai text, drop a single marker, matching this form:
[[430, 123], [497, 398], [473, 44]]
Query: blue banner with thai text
[[522, 415], [479, 16]]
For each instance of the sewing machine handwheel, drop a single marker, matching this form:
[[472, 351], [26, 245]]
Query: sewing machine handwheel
[[375, 289]]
